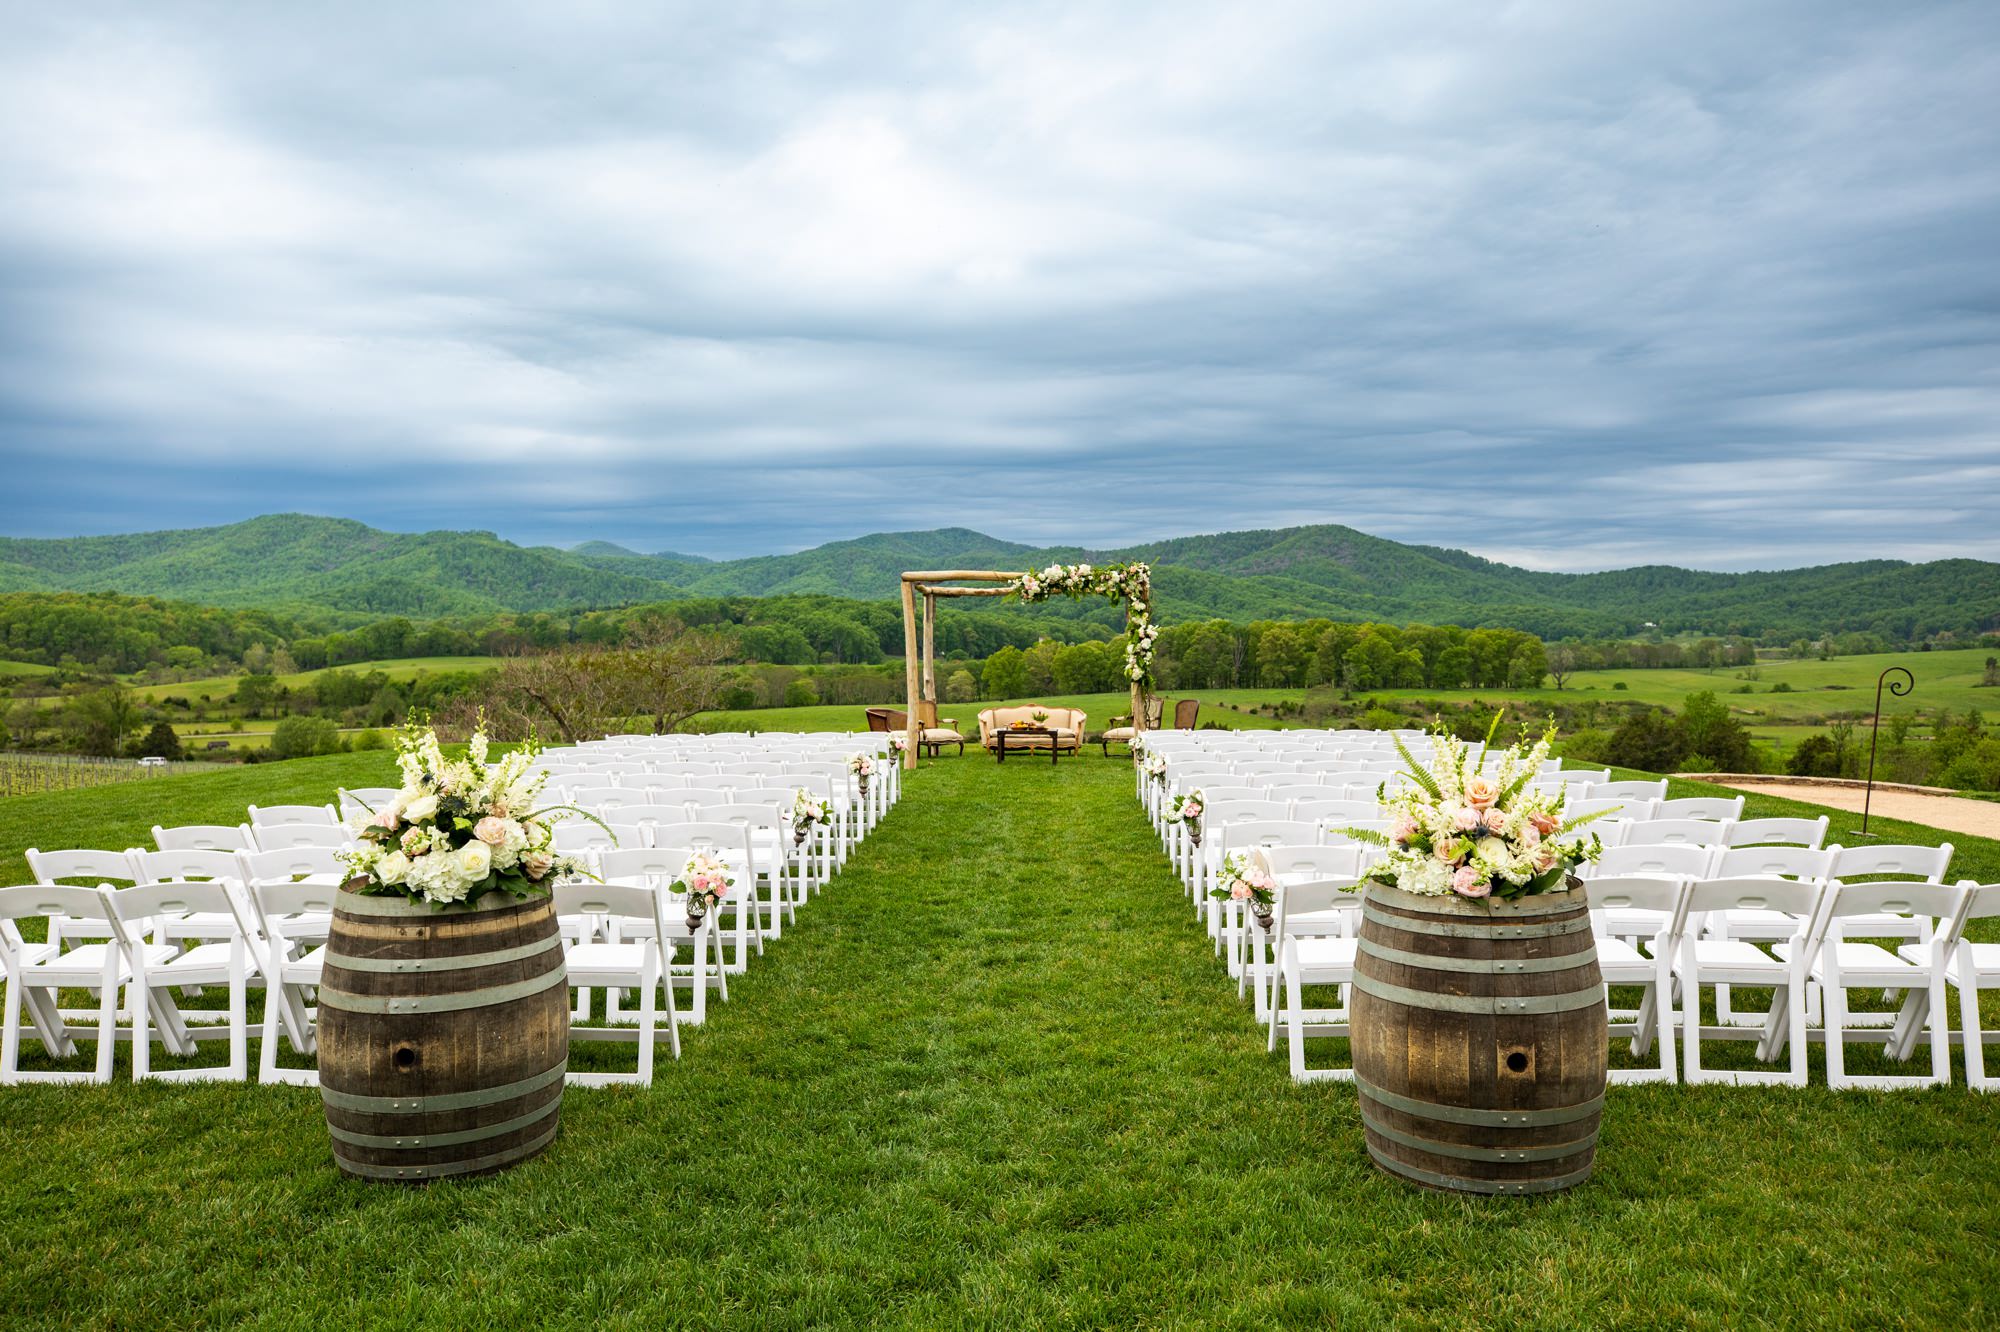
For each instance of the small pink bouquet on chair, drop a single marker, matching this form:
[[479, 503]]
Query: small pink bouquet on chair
[[706, 880], [1247, 880]]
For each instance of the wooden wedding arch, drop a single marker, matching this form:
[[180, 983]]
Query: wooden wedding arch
[[919, 640]]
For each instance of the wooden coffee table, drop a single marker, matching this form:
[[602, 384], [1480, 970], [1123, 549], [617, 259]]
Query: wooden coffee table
[[1000, 742]]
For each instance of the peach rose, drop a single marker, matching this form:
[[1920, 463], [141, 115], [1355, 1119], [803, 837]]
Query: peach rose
[[1545, 824], [491, 831], [1495, 820], [1481, 792], [1465, 819], [1402, 829]]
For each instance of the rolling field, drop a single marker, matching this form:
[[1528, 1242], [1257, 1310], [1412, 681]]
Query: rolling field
[[978, 1085], [220, 687]]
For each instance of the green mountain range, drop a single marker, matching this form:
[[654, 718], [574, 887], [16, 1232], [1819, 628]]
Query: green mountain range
[[293, 561]]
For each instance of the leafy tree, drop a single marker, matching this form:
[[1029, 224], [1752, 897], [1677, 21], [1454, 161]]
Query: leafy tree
[[302, 737], [1653, 741], [1005, 674], [258, 694], [801, 693], [100, 720], [1711, 731], [960, 687], [161, 742], [1816, 756]]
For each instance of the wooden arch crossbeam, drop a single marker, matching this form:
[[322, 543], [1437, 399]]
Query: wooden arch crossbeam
[[920, 634]]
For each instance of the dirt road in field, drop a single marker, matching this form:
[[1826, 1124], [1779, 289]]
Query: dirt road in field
[[1981, 818]]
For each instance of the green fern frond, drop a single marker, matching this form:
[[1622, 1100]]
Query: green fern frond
[[1418, 773]]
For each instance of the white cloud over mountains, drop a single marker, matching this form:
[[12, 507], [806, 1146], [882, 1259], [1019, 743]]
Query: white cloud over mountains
[[1573, 285]]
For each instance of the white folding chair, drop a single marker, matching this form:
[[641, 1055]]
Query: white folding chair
[[1646, 791], [654, 868], [362, 801], [1312, 952], [1619, 900], [1673, 832], [34, 981], [84, 868], [635, 960], [731, 843], [292, 917], [1845, 964], [223, 957], [1970, 968], [1712, 961]]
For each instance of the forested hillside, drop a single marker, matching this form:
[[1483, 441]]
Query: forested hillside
[[346, 573]]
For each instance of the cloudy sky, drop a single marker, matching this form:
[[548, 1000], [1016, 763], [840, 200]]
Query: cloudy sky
[[1572, 285]]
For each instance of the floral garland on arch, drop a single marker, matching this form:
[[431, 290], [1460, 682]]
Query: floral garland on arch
[[1130, 583]]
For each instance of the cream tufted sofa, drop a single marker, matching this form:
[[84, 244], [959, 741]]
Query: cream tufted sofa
[[1067, 723]]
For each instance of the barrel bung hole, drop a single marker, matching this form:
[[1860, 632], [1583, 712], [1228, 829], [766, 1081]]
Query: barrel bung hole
[[405, 1057], [1517, 1062]]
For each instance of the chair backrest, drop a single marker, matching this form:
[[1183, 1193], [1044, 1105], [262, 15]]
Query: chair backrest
[[274, 816], [1700, 807], [729, 839], [286, 863], [1664, 832], [599, 798], [624, 900], [1940, 902], [1307, 791], [583, 835], [278, 898], [177, 898], [1626, 892], [1613, 807], [652, 816], [364, 799], [204, 837], [1798, 897], [1244, 833], [173, 866], [1185, 712], [1654, 790], [1777, 832], [1790, 862], [656, 865], [1674, 860], [96, 866], [1225, 813], [34, 900], [1306, 861], [1314, 897], [1216, 793], [275, 837], [1925, 863]]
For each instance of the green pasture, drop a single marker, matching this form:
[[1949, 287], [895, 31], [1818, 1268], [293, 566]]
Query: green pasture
[[995, 1077], [221, 687]]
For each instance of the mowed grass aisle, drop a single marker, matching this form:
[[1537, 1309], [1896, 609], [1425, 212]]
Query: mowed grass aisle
[[994, 1078]]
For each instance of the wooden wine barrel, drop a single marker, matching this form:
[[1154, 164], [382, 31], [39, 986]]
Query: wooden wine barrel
[[443, 1035], [1480, 1039]]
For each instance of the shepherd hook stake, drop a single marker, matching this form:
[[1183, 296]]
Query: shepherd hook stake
[[1898, 689]]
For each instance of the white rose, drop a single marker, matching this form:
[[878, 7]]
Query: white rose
[[475, 861], [391, 868], [423, 807]]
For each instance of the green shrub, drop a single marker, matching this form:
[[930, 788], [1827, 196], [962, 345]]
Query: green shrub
[[801, 693], [303, 737], [161, 742]]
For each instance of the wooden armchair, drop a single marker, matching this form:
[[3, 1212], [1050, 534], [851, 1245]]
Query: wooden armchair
[[1120, 732], [935, 732]]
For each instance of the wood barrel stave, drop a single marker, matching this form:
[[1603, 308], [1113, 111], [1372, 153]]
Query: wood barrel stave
[[1480, 1040], [443, 1035]]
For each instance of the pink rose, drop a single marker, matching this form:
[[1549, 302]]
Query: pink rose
[[386, 817], [1545, 857], [1529, 837], [1241, 892], [491, 831], [1481, 792], [1495, 820], [416, 841], [1402, 829], [1465, 820], [1545, 824], [1469, 882], [536, 864], [1448, 849]]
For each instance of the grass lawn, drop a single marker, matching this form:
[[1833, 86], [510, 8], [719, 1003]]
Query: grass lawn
[[995, 1078]]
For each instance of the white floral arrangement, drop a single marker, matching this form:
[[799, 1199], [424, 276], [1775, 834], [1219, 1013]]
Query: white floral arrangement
[[705, 879], [458, 828], [863, 767], [808, 811], [1155, 767], [898, 742], [1130, 583], [1461, 828], [1187, 810]]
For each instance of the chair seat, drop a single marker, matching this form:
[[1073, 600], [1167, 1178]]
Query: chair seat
[[1318, 955], [587, 961], [1756, 923], [85, 965], [1735, 956], [941, 735], [205, 958], [1614, 954], [1118, 733], [1859, 960]]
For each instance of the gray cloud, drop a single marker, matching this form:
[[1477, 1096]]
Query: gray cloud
[[1570, 285]]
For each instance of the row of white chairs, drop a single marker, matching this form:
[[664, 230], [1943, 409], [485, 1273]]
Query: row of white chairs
[[1794, 899], [212, 906]]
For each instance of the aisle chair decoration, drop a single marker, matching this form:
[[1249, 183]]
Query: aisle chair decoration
[[1155, 768], [706, 881], [863, 767], [423, 1075], [1243, 880], [1188, 808], [807, 813], [1475, 940]]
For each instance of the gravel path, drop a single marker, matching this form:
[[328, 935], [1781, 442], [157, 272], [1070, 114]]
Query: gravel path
[[1981, 818]]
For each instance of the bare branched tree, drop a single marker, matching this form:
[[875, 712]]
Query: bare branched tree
[[662, 675], [668, 672]]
